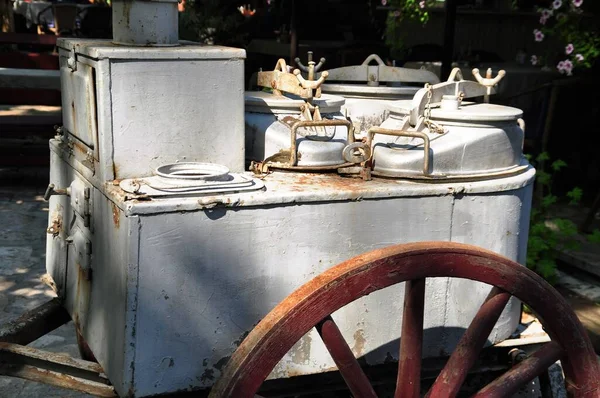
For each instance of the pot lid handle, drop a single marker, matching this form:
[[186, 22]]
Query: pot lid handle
[[456, 86]]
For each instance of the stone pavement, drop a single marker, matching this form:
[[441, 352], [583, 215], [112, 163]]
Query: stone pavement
[[23, 214]]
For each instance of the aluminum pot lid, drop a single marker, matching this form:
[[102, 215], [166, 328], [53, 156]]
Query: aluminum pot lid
[[372, 92], [466, 112], [265, 102], [478, 112]]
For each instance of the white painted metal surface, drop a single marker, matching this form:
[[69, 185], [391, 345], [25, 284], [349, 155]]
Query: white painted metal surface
[[164, 286], [135, 109], [202, 270]]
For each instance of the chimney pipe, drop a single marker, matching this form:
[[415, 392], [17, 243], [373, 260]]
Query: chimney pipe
[[145, 22]]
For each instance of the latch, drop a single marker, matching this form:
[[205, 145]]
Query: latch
[[80, 201], [72, 60], [52, 190], [83, 252], [80, 196]]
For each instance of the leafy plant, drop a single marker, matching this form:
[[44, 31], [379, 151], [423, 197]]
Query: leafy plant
[[399, 11], [547, 234], [213, 22]]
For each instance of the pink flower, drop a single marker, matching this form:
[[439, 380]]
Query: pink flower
[[556, 4], [577, 3], [534, 60], [568, 65], [422, 3], [565, 66], [579, 57], [396, 13], [543, 20], [547, 13], [539, 36], [569, 49], [383, 2]]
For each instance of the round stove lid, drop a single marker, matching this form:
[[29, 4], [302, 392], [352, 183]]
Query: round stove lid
[[374, 92], [264, 102]]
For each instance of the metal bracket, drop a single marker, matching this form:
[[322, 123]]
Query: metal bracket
[[280, 80], [380, 72]]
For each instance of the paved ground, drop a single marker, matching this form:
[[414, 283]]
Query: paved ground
[[23, 215]]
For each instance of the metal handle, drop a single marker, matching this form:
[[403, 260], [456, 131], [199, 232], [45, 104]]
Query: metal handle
[[316, 123], [312, 84], [488, 81], [311, 68], [373, 57], [51, 190], [402, 133]]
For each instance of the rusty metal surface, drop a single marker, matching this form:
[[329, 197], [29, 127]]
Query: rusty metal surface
[[464, 356], [375, 270], [35, 323], [355, 378], [511, 381], [411, 342], [54, 369]]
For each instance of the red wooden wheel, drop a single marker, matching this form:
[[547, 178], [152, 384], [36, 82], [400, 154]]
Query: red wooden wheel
[[311, 305]]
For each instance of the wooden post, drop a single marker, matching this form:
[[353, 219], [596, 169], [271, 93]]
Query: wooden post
[[449, 23], [7, 19], [293, 36]]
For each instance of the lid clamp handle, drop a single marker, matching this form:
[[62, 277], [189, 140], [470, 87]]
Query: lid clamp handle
[[488, 81], [311, 68]]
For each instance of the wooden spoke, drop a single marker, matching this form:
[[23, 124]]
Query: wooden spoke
[[411, 341], [464, 356], [519, 375], [342, 355], [276, 334]]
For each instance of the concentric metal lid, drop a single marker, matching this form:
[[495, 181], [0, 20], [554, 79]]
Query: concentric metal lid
[[478, 113], [466, 112], [264, 102]]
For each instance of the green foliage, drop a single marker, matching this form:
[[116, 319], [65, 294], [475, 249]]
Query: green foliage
[[400, 11], [213, 22], [547, 234]]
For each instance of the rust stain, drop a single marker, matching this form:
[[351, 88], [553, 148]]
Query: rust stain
[[359, 343], [115, 215]]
